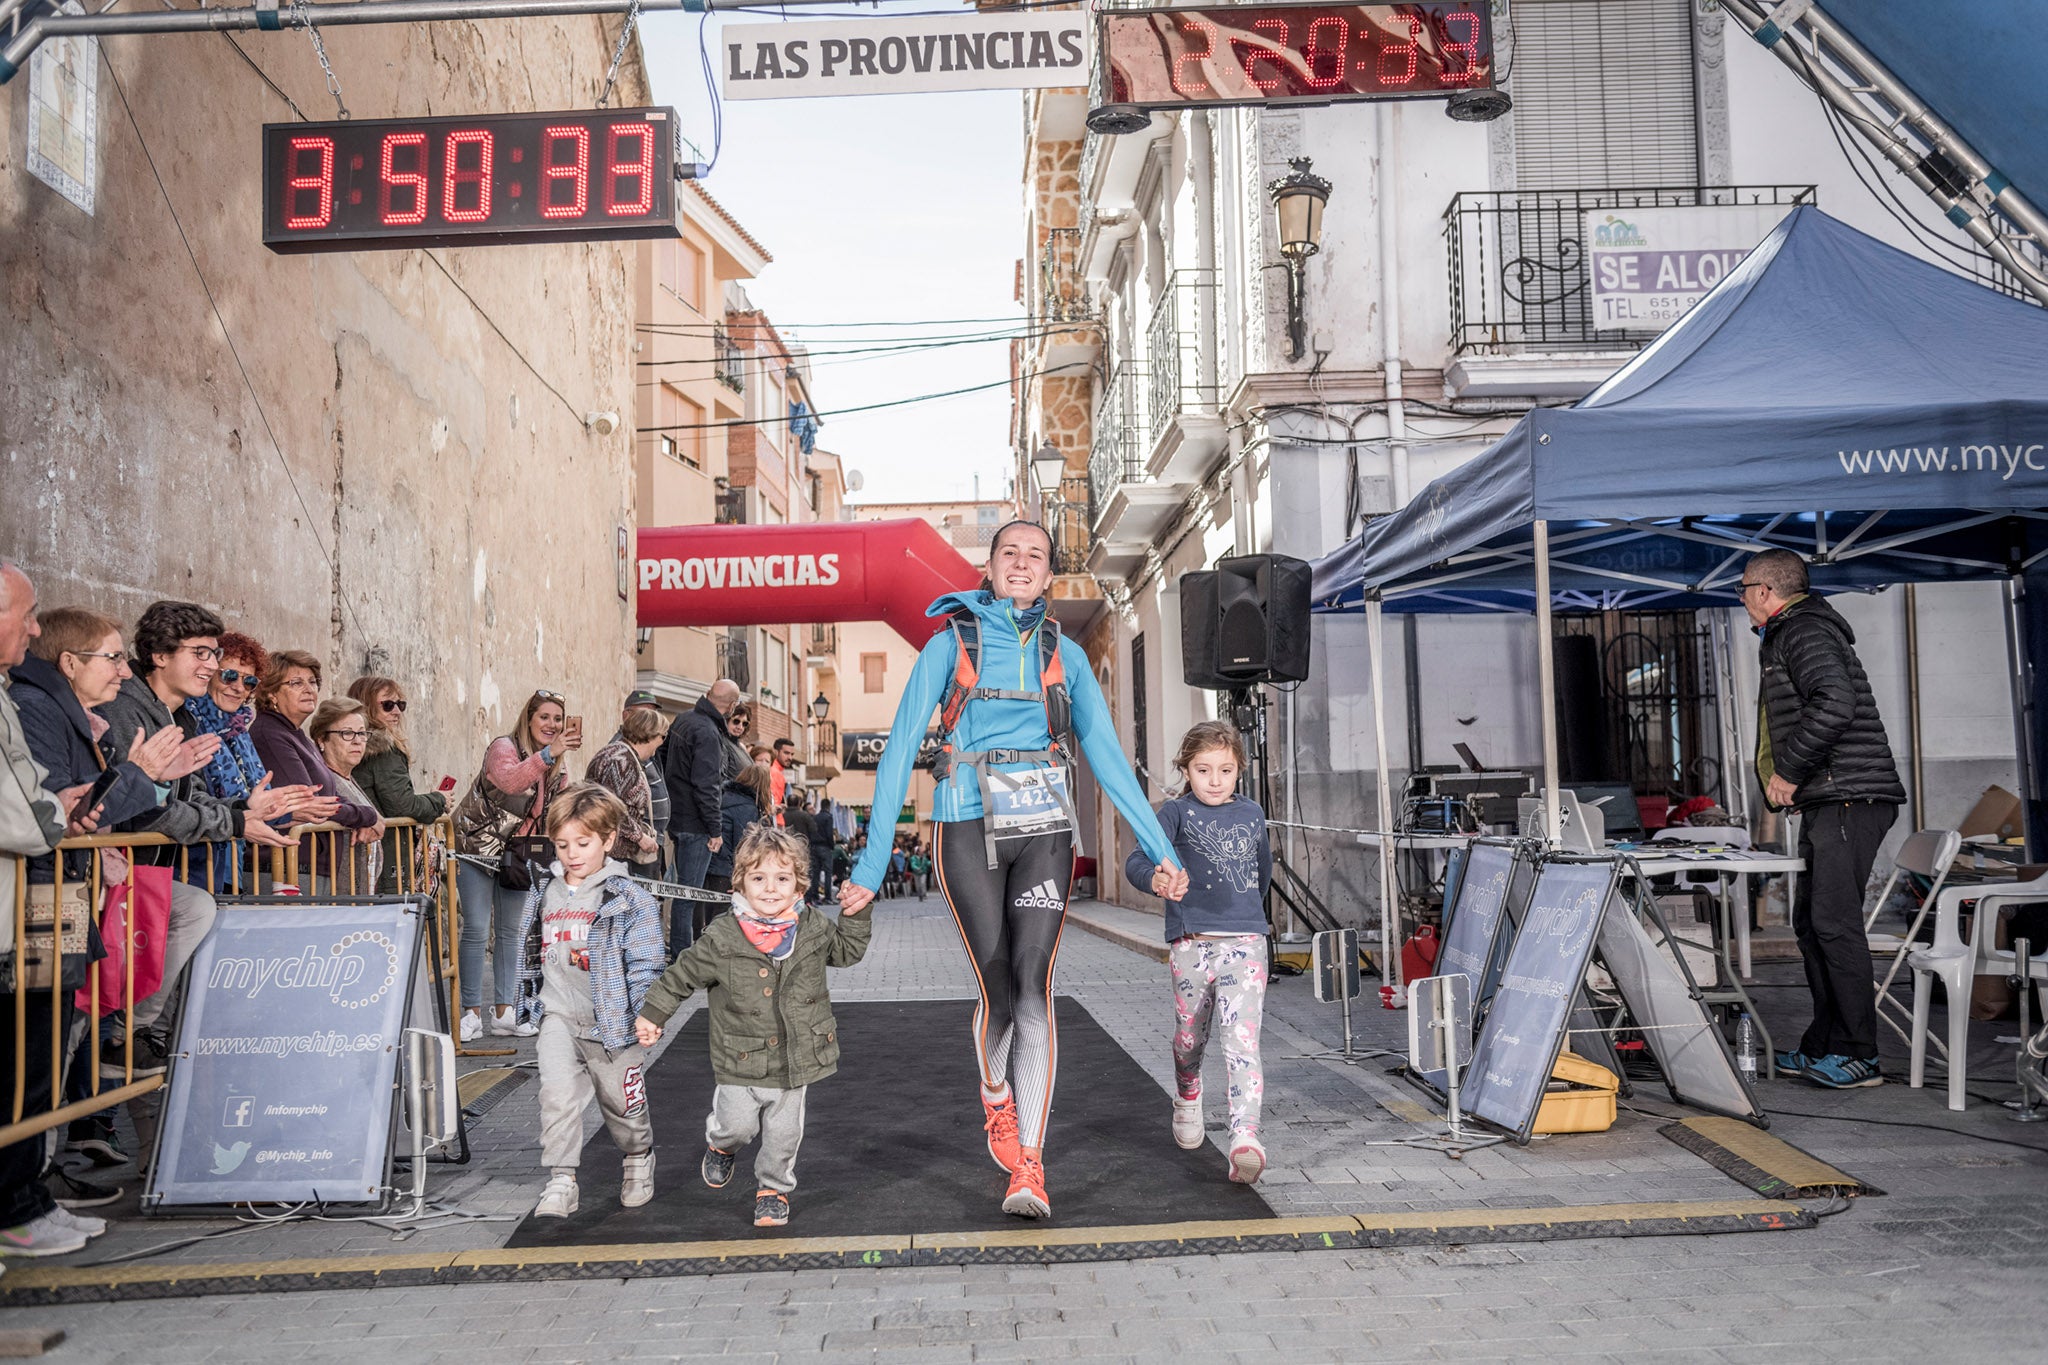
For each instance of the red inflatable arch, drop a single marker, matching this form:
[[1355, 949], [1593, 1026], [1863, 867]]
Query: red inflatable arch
[[886, 571]]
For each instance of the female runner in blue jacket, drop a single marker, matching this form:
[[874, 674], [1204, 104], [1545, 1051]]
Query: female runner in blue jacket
[[1005, 850]]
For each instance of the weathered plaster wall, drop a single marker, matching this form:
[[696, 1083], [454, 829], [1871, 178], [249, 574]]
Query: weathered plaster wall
[[438, 510]]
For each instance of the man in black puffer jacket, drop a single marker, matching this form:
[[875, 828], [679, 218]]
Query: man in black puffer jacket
[[1821, 750]]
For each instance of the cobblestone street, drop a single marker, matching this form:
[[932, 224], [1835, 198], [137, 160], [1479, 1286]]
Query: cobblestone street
[[1946, 1266]]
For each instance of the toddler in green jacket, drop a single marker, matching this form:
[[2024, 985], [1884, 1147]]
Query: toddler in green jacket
[[772, 1031]]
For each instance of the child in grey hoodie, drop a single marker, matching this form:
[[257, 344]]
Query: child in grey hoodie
[[593, 946]]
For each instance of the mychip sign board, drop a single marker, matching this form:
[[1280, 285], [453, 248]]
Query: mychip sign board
[[1525, 1027], [288, 1051]]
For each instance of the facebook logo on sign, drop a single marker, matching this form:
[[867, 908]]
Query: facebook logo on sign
[[241, 1111]]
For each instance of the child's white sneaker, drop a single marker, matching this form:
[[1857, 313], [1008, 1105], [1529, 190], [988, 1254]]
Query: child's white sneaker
[[636, 1181], [505, 1023], [1187, 1123], [472, 1027], [1247, 1159], [559, 1199]]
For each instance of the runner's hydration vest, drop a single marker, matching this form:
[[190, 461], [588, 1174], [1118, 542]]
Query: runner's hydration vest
[[1009, 800]]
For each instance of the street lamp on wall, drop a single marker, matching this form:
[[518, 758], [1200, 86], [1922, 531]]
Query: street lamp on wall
[[1048, 467], [1298, 198], [820, 707]]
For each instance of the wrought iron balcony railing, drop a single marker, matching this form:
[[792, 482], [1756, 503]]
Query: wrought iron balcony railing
[[1181, 348], [728, 362], [1072, 514], [1518, 263], [1116, 453], [824, 639], [732, 661], [1062, 293], [730, 507]]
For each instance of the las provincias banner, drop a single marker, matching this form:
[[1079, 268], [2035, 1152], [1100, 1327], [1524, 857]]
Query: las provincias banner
[[904, 56], [887, 571]]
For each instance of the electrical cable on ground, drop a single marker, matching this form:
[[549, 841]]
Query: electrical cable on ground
[[249, 384]]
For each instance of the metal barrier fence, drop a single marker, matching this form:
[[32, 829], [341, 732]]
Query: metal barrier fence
[[423, 864]]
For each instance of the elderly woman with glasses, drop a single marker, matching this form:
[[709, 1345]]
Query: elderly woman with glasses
[[342, 731], [288, 694], [385, 772]]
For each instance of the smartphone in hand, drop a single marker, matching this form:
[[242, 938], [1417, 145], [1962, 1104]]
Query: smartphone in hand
[[103, 784], [447, 784]]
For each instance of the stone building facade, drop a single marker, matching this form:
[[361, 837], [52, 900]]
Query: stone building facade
[[384, 458]]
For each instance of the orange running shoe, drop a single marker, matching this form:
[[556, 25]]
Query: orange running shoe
[[1027, 1198], [1002, 1132]]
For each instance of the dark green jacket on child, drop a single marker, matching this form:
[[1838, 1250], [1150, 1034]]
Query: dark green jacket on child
[[771, 1022]]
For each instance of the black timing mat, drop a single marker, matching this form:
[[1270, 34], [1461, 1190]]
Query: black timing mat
[[893, 1144]]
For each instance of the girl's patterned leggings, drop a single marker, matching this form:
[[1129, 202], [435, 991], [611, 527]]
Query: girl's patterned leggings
[[1220, 984]]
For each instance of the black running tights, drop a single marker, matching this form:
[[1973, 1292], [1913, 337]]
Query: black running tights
[[1010, 918]]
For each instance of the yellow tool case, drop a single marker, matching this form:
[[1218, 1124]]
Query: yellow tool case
[[1579, 1097]]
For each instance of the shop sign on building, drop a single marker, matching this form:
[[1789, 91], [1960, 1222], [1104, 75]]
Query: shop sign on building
[[905, 55], [861, 750], [1647, 266]]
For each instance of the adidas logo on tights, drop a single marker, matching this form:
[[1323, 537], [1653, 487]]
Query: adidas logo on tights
[[1045, 896]]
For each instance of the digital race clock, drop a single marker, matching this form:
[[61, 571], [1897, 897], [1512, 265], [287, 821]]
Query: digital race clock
[[1294, 54], [582, 176]]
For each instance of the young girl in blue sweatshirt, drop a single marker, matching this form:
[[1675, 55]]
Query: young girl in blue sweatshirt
[[1216, 936]]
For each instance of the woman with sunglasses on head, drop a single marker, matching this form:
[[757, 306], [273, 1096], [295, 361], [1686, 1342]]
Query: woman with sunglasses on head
[[1012, 698], [385, 772], [521, 772], [227, 708]]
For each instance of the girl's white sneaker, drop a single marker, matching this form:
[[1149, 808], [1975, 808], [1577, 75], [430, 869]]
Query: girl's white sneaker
[[1187, 1123], [472, 1027], [1247, 1159]]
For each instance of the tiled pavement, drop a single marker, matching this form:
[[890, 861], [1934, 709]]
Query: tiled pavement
[[1950, 1266]]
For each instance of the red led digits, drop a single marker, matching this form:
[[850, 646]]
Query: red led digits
[[1466, 47], [413, 182], [320, 181], [454, 175], [1197, 83], [1324, 51], [1250, 54], [641, 168], [575, 170], [1397, 60]]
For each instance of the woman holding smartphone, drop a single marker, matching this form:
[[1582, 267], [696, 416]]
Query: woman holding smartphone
[[509, 797]]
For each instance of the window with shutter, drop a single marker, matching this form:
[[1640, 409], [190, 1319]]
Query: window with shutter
[[1603, 93]]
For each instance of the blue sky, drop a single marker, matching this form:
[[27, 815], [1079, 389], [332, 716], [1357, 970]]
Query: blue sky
[[877, 208]]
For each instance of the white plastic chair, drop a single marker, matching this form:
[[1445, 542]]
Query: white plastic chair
[[1958, 963], [1930, 853]]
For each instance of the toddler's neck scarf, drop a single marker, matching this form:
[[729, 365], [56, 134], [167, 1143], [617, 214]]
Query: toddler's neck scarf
[[775, 937]]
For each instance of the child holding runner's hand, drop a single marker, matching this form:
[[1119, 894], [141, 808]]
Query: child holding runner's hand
[[593, 945], [772, 1031], [1216, 936]]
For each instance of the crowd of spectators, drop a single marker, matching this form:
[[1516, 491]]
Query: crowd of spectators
[[231, 751]]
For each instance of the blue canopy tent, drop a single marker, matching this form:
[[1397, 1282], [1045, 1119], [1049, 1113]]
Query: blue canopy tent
[[1832, 395]]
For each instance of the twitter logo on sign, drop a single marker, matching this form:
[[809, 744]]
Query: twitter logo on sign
[[227, 1159]]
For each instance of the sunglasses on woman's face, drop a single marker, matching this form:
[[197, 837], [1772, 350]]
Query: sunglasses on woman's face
[[236, 678], [393, 704]]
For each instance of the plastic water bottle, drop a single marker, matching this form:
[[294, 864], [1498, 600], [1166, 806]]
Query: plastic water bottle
[[1745, 1046]]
